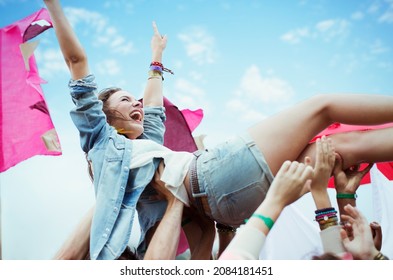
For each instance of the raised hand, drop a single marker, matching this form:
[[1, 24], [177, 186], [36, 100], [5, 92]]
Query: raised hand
[[361, 246], [158, 42], [291, 182], [348, 181]]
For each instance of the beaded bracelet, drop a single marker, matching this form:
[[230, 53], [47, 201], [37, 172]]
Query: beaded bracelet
[[156, 63], [325, 216], [323, 210]]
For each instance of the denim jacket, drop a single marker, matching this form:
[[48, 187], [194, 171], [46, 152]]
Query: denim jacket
[[117, 188]]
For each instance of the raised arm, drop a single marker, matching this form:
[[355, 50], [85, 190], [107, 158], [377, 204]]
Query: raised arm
[[76, 247], [324, 163], [73, 52], [163, 245], [346, 183], [291, 182], [153, 92], [361, 245]]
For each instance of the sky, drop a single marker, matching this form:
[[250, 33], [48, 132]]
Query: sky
[[239, 61]]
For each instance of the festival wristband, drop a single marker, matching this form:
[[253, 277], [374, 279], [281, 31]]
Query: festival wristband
[[347, 195], [267, 221]]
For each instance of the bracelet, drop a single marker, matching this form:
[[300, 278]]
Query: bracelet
[[155, 77], [325, 210], [380, 257], [224, 228], [268, 221], [159, 64], [347, 195]]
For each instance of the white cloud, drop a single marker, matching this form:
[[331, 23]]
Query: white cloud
[[200, 46], [327, 29], [378, 47], [125, 5], [50, 62], [295, 36], [357, 15], [374, 8], [247, 114], [108, 67], [257, 97], [332, 28], [263, 89], [189, 95], [105, 34], [387, 16]]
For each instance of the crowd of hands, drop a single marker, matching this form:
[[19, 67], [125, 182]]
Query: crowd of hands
[[361, 239]]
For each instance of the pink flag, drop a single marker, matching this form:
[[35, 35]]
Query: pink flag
[[26, 128]]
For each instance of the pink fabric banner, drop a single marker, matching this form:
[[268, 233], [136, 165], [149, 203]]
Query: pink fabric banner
[[26, 128]]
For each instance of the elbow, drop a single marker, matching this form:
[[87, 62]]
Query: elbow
[[76, 56], [76, 59]]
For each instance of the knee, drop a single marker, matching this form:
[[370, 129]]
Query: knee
[[349, 146]]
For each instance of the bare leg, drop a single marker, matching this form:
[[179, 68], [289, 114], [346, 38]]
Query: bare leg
[[286, 135], [358, 147]]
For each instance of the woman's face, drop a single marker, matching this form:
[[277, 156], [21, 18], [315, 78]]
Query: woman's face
[[128, 112]]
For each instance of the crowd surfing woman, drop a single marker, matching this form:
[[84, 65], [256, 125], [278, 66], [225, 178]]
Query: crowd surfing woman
[[123, 141]]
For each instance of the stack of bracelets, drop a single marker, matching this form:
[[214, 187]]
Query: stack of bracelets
[[156, 69], [326, 217]]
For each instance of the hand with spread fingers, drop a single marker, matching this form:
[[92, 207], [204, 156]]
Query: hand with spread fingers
[[324, 163], [348, 181], [361, 246]]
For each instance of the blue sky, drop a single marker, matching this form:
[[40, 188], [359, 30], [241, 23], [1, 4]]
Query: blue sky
[[240, 61]]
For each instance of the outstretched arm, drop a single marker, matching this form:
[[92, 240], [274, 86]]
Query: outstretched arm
[[324, 163], [153, 92], [164, 243], [70, 46], [362, 244], [76, 246], [347, 182]]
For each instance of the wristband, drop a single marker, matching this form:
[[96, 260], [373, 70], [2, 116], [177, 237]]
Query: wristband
[[347, 195], [268, 221]]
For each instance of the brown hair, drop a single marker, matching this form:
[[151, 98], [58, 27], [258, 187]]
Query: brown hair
[[104, 95], [326, 256], [110, 113]]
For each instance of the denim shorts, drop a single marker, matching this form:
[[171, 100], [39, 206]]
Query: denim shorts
[[235, 178]]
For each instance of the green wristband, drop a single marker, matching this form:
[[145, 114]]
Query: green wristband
[[268, 221], [347, 195]]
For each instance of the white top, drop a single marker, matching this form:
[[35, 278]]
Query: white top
[[176, 165]]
